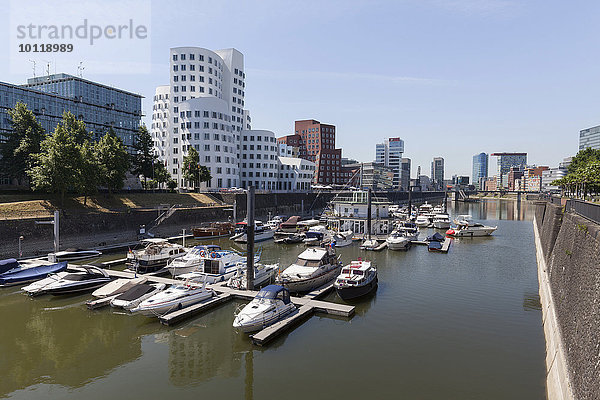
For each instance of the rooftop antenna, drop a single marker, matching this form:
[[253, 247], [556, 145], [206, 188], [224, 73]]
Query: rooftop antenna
[[33, 62], [47, 67], [80, 69]]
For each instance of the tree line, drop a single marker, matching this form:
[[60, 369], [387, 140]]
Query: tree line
[[583, 177], [71, 161]]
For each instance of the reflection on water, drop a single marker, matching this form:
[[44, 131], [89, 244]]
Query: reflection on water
[[46, 340], [466, 324]]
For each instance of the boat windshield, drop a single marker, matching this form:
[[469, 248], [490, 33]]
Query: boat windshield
[[358, 272], [345, 271], [308, 263]]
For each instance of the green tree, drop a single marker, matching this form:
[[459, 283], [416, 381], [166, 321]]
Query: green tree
[[161, 175], [21, 143], [144, 154], [204, 175], [191, 167], [76, 127], [57, 167], [89, 176], [172, 184], [113, 161]]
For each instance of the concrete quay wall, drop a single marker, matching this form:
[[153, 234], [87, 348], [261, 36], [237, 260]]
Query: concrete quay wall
[[568, 250]]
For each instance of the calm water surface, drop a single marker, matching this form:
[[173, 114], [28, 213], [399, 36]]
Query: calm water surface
[[462, 325]]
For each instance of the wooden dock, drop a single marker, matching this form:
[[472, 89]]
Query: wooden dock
[[179, 315], [271, 332], [99, 303], [446, 245]]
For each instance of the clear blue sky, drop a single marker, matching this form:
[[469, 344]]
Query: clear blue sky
[[452, 78]]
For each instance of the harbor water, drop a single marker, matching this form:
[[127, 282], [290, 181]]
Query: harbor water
[[462, 325]]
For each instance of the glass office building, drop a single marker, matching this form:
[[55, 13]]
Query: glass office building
[[589, 138], [480, 169], [99, 106]]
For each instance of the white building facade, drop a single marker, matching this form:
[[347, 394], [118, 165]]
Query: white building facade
[[258, 163], [295, 174], [203, 107], [389, 153]]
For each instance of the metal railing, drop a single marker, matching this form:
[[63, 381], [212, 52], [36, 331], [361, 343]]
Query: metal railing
[[585, 209]]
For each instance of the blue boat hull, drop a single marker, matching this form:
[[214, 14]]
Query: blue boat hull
[[30, 274]]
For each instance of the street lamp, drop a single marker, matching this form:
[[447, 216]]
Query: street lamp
[[20, 250]]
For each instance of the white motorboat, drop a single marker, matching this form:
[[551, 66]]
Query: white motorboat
[[39, 287], [342, 239], [155, 255], [73, 255], [271, 304], [422, 221], [438, 210], [261, 232], [75, 282], [262, 273], [472, 229], [275, 222], [175, 297], [307, 223], [136, 294], [313, 268], [425, 208], [369, 244], [316, 235], [218, 266], [397, 241], [441, 221], [191, 260], [356, 279], [409, 230], [117, 286]]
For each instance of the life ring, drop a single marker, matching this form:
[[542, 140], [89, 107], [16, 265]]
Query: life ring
[[214, 254], [202, 253]]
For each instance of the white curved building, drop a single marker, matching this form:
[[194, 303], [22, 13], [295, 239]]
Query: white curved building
[[203, 107]]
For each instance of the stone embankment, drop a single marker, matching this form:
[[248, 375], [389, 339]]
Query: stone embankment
[[80, 229], [568, 247]]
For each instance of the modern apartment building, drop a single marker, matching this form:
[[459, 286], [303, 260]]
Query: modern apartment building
[[203, 107], [389, 153], [480, 169], [316, 143], [589, 138], [437, 173], [259, 159], [295, 174], [505, 162]]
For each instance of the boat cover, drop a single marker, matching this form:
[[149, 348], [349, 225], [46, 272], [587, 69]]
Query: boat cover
[[136, 292], [436, 237], [33, 273], [271, 292], [8, 264], [434, 245]]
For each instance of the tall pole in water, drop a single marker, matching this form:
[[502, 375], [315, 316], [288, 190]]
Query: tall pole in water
[[369, 214], [409, 201], [250, 240], [56, 230]]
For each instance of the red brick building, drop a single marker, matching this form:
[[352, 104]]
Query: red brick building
[[317, 144]]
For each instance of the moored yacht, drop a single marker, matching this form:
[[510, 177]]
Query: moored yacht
[[356, 279], [409, 230], [136, 294], [262, 273], [313, 268], [75, 282], [441, 221], [342, 239], [218, 266], [117, 286], [471, 229], [397, 241], [261, 232], [155, 255], [422, 221], [271, 304], [191, 260], [175, 297]]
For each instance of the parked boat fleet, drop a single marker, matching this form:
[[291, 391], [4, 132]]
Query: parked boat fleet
[[199, 267]]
